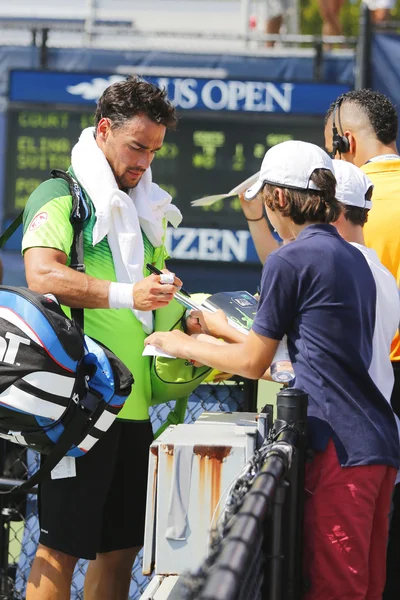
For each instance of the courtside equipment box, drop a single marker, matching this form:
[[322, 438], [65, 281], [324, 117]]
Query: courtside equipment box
[[191, 469]]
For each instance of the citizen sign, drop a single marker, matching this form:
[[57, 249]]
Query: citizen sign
[[222, 245]]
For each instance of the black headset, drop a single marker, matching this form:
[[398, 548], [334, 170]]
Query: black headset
[[340, 143]]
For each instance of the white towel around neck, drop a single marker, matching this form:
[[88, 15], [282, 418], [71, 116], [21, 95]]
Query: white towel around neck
[[120, 216]]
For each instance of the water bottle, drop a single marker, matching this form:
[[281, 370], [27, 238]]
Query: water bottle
[[281, 366]]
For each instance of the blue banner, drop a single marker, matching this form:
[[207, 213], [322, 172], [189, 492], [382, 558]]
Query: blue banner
[[215, 245], [187, 93], [385, 67]]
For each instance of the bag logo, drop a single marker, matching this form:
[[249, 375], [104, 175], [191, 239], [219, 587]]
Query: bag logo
[[38, 221], [8, 351]]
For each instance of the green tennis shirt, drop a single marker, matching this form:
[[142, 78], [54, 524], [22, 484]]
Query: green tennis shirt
[[47, 224]]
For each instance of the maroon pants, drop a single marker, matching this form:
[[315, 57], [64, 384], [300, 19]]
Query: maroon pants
[[346, 528]]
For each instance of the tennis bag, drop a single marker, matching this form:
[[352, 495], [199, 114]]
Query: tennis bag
[[59, 389], [173, 378]]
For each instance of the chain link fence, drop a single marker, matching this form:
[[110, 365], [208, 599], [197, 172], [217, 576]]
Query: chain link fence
[[18, 513]]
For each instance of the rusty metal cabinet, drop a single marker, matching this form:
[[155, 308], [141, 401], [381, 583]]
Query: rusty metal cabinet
[[191, 470]]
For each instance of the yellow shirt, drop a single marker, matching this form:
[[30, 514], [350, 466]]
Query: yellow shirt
[[382, 231]]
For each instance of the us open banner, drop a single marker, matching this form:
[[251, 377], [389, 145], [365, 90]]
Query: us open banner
[[186, 93]]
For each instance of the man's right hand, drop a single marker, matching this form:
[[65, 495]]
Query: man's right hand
[[150, 294]]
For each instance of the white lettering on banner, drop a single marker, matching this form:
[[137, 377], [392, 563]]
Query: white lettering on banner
[[183, 93], [257, 96], [207, 244], [213, 94], [188, 95], [209, 240], [237, 91], [254, 96], [283, 100], [234, 245], [207, 91], [8, 352], [182, 249]]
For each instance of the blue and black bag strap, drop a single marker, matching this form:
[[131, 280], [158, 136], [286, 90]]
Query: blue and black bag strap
[[11, 229], [80, 213]]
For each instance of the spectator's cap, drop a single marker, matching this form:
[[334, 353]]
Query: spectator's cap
[[352, 185], [290, 165]]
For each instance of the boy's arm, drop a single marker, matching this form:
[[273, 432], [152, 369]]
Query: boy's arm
[[263, 239]]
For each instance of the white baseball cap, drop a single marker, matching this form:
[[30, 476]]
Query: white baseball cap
[[290, 165], [352, 185]]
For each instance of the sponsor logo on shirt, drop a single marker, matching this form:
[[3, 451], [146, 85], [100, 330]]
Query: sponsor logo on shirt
[[38, 221]]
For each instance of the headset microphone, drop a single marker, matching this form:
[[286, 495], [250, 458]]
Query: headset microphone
[[340, 143]]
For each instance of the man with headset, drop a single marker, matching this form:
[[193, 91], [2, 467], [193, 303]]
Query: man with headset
[[361, 128]]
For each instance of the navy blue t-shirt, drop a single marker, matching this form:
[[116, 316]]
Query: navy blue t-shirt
[[320, 292]]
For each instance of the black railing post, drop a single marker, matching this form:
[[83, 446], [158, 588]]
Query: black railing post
[[292, 409], [363, 55], [44, 48], [319, 60], [250, 390]]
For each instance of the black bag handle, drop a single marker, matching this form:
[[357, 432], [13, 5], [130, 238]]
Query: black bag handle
[[11, 229], [80, 212]]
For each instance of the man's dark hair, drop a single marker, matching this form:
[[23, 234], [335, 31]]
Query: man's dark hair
[[123, 100], [381, 112], [308, 206], [356, 214]]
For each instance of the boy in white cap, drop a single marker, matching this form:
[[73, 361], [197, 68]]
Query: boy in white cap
[[354, 191], [320, 292]]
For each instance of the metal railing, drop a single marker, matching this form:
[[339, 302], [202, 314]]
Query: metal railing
[[257, 553]]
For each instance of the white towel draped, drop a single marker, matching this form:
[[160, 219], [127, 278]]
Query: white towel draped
[[120, 216]]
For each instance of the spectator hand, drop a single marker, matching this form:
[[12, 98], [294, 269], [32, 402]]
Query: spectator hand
[[212, 323], [253, 209], [150, 294], [172, 342], [192, 325]]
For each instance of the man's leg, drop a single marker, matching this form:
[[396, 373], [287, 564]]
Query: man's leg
[[122, 533], [273, 26], [51, 575], [71, 518], [330, 14], [109, 576]]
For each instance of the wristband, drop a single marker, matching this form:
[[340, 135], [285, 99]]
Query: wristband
[[120, 295], [262, 216]]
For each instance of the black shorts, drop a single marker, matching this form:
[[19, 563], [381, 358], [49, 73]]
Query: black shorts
[[103, 507]]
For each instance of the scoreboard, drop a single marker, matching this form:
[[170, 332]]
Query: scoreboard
[[207, 154]]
